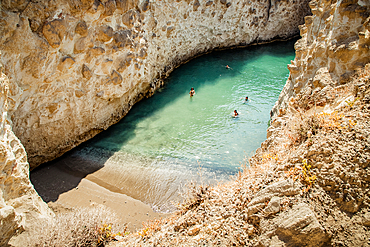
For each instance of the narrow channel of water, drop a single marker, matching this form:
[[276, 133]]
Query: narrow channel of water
[[172, 138]]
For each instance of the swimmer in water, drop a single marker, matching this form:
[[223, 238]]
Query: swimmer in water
[[228, 67], [245, 100], [192, 92], [235, 113]]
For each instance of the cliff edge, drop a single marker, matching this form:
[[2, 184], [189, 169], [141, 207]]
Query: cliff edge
[[19, 202], [308, 184], [77, 67]]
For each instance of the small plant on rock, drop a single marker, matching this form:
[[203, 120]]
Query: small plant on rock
[[331, 121], [293, 173], [195, 195], [269, 156], [307, 176], [106, 235], [150, 227], [350, 103], [308, 127]]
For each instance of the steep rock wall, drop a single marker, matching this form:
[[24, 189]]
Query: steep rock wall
[[321, 123], [308, 184], [20, 205], [334, 43], [77, 67]]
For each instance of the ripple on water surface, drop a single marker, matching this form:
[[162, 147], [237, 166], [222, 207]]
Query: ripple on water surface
[[165, 140]]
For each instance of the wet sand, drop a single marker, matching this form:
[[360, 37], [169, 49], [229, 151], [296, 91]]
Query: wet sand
[[64, 187], [88, 193]]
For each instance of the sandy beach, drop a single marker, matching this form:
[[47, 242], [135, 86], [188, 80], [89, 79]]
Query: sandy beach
[[64, 187]]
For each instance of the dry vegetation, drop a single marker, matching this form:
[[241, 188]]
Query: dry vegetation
[[306, 186], [315, 164], [81, 227]]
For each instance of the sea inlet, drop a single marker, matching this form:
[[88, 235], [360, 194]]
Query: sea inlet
[[170, 139]]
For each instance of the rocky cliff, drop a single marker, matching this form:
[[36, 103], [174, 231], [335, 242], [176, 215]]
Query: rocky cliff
[[19, 202], [308, 184], [77, 67], [334, 43]]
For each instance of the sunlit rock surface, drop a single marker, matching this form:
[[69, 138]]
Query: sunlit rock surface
[[308, 184], [335, 42], [77, 67], [20, 205]]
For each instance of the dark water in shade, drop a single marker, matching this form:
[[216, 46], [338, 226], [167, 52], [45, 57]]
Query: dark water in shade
[[171, 138]]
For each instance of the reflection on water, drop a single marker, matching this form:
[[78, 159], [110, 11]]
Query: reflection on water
[[164, 141]]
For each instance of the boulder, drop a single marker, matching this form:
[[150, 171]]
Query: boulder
[[273, 206], [86, 72], [295, 227], [104, 33], [81, 28], [54, 32]]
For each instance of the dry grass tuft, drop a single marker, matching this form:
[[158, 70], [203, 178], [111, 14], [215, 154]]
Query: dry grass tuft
[[194, 196], [80, 227], [310, 125], [150, 227]]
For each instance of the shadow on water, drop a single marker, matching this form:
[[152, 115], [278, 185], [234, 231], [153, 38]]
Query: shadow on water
[[201, 67], [130, 174]]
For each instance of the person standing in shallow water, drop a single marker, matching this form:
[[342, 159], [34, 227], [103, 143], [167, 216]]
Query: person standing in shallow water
[[192, 92]]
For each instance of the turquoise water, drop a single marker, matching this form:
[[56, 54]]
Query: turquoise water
[[200, 129], [171, 138]]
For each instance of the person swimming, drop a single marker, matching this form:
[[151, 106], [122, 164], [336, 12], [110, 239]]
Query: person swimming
[[192, 92], [235, 113], [227, 67], [246, 99]]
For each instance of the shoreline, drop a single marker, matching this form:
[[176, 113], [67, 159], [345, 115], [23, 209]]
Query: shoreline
[[64, 189], [89, 194]]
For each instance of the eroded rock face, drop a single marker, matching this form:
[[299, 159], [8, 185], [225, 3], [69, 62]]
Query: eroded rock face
[[308, 184], [328, 58], [20, 205], [77, 67], [335, 42], [322, 115], [296, 227]]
